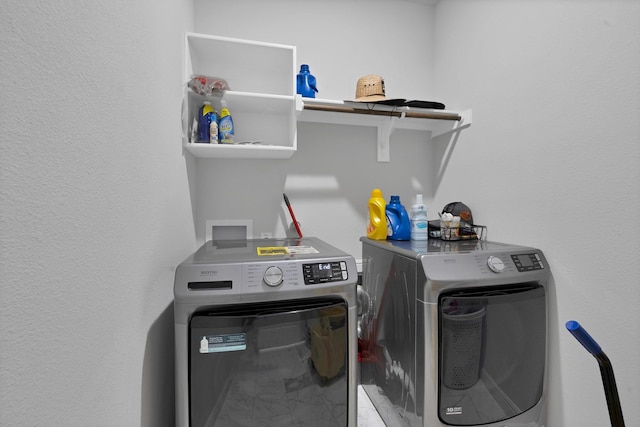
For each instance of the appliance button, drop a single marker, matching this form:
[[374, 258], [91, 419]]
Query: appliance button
[[495, 264], [273, 276]]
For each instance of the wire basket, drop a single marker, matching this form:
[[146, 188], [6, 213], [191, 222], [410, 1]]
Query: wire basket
[[462, 348], [474, 232]]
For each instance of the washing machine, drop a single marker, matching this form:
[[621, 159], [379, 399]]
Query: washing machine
[[454, 333], [265, 334]]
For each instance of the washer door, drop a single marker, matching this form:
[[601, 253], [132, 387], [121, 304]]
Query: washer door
[[492, 353], [280, 363]]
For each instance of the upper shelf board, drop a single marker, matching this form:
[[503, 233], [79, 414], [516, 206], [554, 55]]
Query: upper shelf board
[[383, 117]]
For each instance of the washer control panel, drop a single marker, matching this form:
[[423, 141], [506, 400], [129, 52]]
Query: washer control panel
[[509, 263], [257, 266], [527, 262], [288, 275], [322, 272]]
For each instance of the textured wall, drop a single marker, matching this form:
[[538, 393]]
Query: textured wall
[[95, 210], [331, 176], [553, 160], [98, 205]]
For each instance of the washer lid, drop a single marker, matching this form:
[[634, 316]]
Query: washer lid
[[437, 247], [234, 251]]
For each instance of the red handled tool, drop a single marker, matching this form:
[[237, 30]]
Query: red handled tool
[[293, 217]]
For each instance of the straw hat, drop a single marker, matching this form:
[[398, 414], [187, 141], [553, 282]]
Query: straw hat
[[370, 88]]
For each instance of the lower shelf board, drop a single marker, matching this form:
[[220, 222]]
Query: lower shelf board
[[229, 151]]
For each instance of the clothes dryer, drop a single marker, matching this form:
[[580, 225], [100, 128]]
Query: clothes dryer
[[454, 333], [265, 334]]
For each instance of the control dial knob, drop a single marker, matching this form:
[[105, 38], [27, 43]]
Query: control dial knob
[[495, 264], [273, 276]]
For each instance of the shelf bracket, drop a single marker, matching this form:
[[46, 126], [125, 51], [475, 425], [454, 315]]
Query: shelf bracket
[[384, 118], [385, 128], [444, 127]]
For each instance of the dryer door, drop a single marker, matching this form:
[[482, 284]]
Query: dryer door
[[492, 353], [277, 363]]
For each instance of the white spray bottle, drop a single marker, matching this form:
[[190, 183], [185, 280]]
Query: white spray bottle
[[419, 223]]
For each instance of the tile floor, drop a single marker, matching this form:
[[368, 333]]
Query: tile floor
[[367, 414]]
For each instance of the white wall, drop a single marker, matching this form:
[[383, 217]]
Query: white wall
[[553, 160], [99, 204], [330, 178], [95, 209], [553, 152]]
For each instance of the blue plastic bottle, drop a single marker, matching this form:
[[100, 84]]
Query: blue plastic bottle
[[398, 222], [205, 115], [306, 83]]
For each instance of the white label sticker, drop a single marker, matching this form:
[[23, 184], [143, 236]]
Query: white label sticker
[[223, 343], [302, 250], [454, 410]]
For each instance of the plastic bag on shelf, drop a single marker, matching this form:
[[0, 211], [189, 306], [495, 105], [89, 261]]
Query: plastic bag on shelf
[[205, 85]]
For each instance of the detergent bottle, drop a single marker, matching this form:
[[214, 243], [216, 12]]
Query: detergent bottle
[[205, 116], [226, 129], [306, 83], [377, 224], [398, 222], [213, 128], [419, 224]]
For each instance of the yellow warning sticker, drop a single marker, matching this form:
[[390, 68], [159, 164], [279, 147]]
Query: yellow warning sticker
[[272, 250]]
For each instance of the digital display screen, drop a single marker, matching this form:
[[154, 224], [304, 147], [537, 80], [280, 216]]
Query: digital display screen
[[525, 261], [322, 270]]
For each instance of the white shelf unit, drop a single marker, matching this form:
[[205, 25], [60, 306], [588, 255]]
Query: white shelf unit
[[265, 108], [261, 98], [383, 117]]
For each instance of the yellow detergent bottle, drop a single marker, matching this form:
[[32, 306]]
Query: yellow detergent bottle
[[377, 224], [226, 129]]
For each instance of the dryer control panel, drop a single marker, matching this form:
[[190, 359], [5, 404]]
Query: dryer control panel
[[527, 262], [292, 274], [505, 263], [322, 272]]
